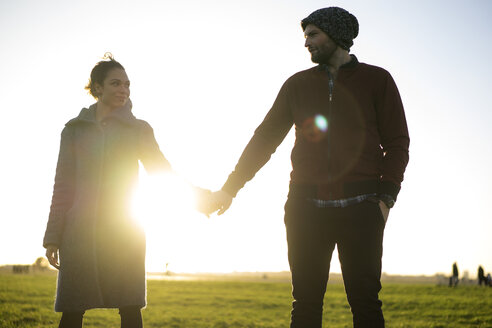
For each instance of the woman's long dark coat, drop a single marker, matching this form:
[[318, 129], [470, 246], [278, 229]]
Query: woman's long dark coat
[[102, 249]]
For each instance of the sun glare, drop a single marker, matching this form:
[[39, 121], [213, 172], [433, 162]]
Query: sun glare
[[159, 196], [164, 205]]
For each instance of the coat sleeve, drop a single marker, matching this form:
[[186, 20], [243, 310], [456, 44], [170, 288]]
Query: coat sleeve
[[63, 190], [149, 152], [395, 140], [267, 137]]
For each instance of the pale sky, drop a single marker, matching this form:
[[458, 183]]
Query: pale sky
[[204, 74]]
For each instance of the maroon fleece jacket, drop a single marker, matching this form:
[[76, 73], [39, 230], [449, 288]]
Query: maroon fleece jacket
[[351, 133]]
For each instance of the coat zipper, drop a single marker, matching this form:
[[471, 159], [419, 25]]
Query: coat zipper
[[101, 169]]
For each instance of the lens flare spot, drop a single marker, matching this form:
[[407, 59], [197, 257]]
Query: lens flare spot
[[314, 128], [321, 122]]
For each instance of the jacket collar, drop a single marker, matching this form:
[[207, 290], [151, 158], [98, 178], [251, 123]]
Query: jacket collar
[[351, 64], [88, 115]]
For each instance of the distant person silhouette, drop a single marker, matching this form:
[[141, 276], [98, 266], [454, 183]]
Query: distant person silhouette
[[453, 280], [349, 157], [481, 276], [101, 248]]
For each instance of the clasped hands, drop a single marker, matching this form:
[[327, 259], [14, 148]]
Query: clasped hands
[[208, 202]]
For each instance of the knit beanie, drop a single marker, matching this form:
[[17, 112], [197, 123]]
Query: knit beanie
[[340, 25]]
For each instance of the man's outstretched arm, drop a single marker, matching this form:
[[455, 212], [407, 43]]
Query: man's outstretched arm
[[267, 137]]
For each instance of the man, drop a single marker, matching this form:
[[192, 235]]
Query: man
[[454, 277], [481, 276], [348, 161]]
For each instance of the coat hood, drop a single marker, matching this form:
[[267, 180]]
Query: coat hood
[[88, 115]]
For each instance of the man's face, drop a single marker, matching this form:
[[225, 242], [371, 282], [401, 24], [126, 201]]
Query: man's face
[[319, 44]]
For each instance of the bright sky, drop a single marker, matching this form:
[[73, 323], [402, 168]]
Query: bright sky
[[204, 74]]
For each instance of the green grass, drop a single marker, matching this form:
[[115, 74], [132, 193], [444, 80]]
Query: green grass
[[27, 301]]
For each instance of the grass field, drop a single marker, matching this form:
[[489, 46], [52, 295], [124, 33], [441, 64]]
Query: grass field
[[27, 301]]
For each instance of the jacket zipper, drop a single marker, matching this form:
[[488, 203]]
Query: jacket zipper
[[330, 85], [330, 98]]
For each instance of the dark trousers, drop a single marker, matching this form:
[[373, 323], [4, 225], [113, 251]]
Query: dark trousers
[[312, 234], [131, 317]]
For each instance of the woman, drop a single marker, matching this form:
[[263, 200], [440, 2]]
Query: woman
[[101, 248]]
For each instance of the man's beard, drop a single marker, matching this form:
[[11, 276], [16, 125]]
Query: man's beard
[[319, 58], [323, 55]]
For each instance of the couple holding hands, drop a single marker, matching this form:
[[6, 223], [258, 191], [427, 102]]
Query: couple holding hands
[[348, 161]]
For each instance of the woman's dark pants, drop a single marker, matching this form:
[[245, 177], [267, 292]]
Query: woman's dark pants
[[131, 317]]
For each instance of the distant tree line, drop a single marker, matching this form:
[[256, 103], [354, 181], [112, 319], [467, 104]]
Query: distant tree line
[[40, 265]]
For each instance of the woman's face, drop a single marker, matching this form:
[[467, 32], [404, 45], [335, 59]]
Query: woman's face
[[115, 90]]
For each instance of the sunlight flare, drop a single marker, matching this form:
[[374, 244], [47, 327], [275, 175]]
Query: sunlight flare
[[159, 197]]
